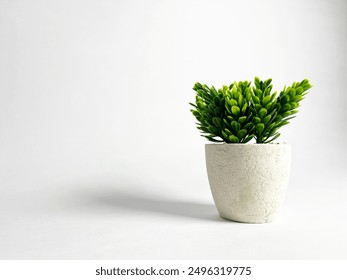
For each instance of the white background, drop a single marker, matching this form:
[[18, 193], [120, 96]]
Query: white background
[[99, 154]]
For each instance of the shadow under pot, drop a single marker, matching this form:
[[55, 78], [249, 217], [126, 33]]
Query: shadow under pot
[[248, 181]]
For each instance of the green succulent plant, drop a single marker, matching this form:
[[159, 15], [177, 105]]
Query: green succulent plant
[[240, 112]]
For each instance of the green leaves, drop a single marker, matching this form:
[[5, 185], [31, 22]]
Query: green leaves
[[266, 100], [272, 111], [242, 133], [233, 139], [256, 99], [244, 108], [242, 119], [262, 113], [235, 110], [256, 120], [218, 122], [240, 112], [259, 128], [235, 126], [232, 102]]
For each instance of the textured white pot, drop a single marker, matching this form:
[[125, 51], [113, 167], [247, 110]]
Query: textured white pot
[[248, 181]]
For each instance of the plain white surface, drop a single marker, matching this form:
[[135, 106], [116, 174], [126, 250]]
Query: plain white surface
[[99, 154], [129, 222]]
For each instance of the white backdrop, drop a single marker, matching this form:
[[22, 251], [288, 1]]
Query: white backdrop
[[99, 154]]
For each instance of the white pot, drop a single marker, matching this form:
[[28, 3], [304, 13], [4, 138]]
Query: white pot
[[248, 181]]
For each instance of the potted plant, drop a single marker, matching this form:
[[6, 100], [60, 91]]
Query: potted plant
[[247, 181]]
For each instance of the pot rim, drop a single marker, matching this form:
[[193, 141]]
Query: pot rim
[[248, 144]]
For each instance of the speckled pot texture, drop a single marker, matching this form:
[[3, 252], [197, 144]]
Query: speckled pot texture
[[248, 181]]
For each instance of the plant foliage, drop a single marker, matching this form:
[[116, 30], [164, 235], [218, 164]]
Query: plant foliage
[[241, 111]]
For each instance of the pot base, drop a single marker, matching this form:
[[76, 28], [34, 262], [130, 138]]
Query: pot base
[[247, 220]]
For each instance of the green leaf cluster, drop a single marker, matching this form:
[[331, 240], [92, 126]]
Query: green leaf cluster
[[240, 112]]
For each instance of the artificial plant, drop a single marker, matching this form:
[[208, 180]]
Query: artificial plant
[[242, 111]]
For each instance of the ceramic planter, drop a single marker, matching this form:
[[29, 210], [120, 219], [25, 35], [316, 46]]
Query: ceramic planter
[[248, 181]]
